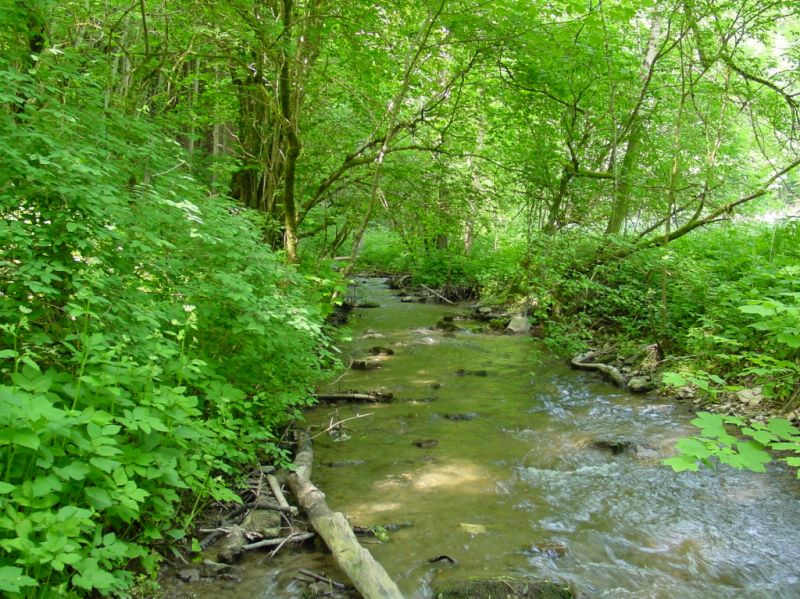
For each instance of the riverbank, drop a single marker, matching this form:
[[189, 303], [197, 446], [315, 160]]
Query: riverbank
[[496, 458]]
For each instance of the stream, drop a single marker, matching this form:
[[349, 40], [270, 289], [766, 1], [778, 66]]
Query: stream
[[490, 456]]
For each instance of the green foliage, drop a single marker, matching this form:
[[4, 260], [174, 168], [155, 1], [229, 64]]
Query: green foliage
[[492, 271], [383, 251], [152, 345], [732, 441], [744, 321]]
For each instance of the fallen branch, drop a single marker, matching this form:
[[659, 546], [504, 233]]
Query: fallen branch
[[355, 397], [324, 579], [609, 371], [335, 424], [297, 537], [278, 493], [437, 294], [366, 574]]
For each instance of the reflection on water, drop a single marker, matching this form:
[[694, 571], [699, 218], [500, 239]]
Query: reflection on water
[[522, 474]]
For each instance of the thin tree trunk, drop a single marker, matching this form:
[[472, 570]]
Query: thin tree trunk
[[292, 142], [619, 209], [554, 207]]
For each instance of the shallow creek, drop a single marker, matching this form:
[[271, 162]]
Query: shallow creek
[[515, 485]]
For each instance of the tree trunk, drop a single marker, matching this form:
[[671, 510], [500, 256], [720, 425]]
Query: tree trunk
[[554, 207], [619, 210], [289, 130], [366, 574]]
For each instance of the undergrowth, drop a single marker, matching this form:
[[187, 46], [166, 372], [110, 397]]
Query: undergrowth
[[152, 346]]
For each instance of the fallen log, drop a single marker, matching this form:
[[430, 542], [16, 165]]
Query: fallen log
[[366, 574], [610, 372], [294, 538], [354, 397], [436, 293]]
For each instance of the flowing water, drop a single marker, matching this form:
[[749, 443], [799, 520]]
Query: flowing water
[[508, 479]]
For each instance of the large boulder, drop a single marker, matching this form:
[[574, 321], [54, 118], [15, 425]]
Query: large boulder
[[641, 384], [519, 325]]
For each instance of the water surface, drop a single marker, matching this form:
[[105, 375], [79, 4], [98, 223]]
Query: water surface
[[515, 485]]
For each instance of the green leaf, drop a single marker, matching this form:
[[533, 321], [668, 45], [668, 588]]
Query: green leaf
[[75, 471], [694, 448], [752, 456], [786, 446], [25, 438], [712, 425], [13, 579], [759, 309], [673, 379], [789, 339], [783, 428], [681, 463], [94, 579], [98, 498], [104, 464], [762, 437]]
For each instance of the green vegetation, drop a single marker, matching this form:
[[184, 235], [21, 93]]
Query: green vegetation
[[747, 449], [152, 344], [177, 178]]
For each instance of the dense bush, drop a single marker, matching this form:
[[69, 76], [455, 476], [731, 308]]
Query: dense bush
[[151, 344], [729, 297], [743, 320]]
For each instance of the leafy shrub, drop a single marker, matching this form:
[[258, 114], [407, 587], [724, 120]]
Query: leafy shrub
[[151, 344], [732, 441]]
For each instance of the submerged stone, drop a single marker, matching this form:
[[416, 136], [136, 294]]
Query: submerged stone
[[614, 445], [189, 575], [371, 334], [461, 416], [368, 305], [641, 384], [425, 443], [551, 550], [447, 325], [462, 372], [381, 351], [503, 588], [365, 365]]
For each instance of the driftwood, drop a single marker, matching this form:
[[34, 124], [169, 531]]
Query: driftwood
[[275, 486], [298, 537], [610, 372], [354, 397], [636, 383], [323, 579], [228, 527], [366, 574], [436, 293]]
